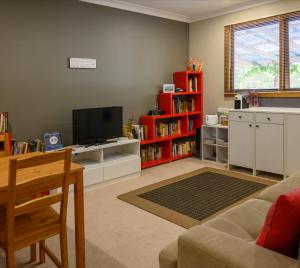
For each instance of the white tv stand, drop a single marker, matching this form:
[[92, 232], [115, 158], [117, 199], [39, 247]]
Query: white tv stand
[[108, 161]]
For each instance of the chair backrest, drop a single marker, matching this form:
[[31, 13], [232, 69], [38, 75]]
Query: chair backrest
[[5, 139], [18, 193]]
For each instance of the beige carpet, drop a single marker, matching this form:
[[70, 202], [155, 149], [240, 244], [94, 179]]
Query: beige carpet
[[118, 234], [95, 256]]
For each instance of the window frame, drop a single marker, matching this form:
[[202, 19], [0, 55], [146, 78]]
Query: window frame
[[284, 58]]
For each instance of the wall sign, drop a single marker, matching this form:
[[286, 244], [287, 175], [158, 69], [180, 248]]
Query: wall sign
[[82, 63]]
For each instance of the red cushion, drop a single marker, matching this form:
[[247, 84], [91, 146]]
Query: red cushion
[[281, 230]]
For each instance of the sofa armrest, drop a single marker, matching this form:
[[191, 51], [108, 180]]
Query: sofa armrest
[[204, 247]]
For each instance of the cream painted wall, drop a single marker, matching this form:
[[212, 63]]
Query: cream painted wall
[[207, 43]]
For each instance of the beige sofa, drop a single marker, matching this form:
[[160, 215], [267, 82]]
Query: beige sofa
[[228, 240]]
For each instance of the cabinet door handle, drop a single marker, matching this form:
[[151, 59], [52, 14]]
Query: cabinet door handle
[[240, 117], [250, 125], [257, 126], [269, 118]]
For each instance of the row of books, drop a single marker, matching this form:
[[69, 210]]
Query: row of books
[[3, 122], [183, 105], [140, 132], [22, 147], [151, 153], [168, 129], [183, 148], [193, 84]]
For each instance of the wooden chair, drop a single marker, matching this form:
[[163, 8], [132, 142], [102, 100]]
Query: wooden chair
[[5, 139], [34, 221]]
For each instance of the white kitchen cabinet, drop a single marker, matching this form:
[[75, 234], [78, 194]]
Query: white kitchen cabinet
[[269, 148], [292, 143], [276, 142], [241, 143]]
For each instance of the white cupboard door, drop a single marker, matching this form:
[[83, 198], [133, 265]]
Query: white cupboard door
[[241, 144], [293, 144], [269, 148]]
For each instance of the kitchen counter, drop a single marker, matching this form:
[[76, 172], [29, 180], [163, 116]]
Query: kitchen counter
[[282, 110]]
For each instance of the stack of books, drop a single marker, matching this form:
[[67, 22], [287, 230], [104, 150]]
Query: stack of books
[[181, 148], [168, 129], [140, 132], [22, 147], [151, 153], [3, 122], [183, 105], [193, 84]]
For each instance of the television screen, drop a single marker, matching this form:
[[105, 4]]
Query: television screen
[[97, 124]]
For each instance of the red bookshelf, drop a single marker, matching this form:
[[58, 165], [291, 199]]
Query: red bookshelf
[[183, 112]]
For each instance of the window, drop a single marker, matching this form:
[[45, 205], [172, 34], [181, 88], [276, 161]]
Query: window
[[263, 55], [294, 53]]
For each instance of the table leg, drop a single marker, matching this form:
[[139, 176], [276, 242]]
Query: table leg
[[79, 221]]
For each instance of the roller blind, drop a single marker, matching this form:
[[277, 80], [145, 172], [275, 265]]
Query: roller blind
[[263, 54]]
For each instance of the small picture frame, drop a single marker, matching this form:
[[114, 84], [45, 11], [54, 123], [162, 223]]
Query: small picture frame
[[168, 88]]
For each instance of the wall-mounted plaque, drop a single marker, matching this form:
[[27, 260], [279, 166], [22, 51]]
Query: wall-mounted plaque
[[82, 63]]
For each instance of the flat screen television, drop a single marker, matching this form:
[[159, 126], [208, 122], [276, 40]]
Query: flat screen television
[[96, 125]]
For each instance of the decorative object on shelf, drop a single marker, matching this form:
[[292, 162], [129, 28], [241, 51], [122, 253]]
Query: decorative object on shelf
[[53, 141], [178, 89], [211, 119], [174, 131], [195, 65], [128, 128], [168, 88]]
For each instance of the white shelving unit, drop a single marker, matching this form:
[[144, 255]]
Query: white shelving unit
[[215, 143], [108, 161]]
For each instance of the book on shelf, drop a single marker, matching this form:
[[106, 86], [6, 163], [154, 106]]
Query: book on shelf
[[191, 125], [151, 153], [193, 84], [3, 122], [168, 129], [140, 132], [22, 147], [181, 148], [181, 104]]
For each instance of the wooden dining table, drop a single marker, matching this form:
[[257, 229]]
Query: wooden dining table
[[76, 179]]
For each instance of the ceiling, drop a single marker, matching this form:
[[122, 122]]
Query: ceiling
[[182, 10]]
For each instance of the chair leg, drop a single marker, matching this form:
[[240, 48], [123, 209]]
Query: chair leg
[[10, 258], [42, 252], [64, 248], [33, 253]]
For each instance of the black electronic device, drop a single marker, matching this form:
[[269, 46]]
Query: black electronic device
[[97, 125]]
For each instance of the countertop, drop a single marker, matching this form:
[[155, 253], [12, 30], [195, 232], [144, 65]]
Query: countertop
[[281, 110]]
